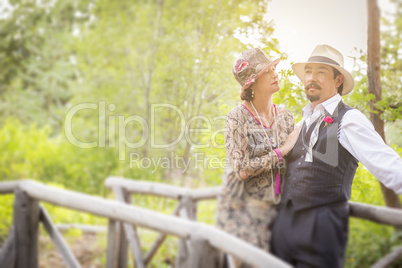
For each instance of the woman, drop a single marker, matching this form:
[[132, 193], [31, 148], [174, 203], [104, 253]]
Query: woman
[[255, 137]]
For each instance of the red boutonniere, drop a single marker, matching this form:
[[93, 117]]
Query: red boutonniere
[[328, 120]]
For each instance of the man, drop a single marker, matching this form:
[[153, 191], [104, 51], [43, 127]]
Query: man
[[312, 226]]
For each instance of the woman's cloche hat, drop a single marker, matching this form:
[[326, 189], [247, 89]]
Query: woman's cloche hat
[[250, 65]]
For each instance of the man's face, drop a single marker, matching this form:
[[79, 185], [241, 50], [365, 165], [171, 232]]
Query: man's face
[[319, 82]]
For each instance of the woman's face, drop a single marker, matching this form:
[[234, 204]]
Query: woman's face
[[268, 82]]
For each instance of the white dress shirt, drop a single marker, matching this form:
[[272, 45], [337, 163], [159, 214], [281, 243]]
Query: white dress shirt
[[358, 136]]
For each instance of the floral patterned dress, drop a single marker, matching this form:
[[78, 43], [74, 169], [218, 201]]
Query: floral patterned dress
[[246, 206]]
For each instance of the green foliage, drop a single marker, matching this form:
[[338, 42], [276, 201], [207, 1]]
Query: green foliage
[[391, 73], [391, 63], [29, 152], [149, 53], [166, 255], [368, 241], [6, 212], [36, 74], [291, 95]]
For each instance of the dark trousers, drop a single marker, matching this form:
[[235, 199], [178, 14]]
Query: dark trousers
[[314, 237]]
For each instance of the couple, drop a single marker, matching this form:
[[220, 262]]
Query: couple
[[308, 170]]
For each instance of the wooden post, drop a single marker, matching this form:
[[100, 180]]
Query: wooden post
[[202, 255], [26, 219], [117, 247], [8, 251], [188, 211], [113, 244], [130, 230], [374, 85], [123, 247]]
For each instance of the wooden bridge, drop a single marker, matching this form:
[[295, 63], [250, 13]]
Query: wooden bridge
[[199, 243]]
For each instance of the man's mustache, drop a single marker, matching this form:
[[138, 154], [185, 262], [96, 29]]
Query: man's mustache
[[312, 84]]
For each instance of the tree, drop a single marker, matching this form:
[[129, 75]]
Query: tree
[[166, 52], [374, 85], [37, 69], [391, 72]]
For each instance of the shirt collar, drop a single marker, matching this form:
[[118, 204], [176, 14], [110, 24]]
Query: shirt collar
[[328, 105]]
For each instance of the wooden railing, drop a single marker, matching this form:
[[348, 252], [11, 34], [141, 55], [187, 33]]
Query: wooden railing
[[186, 208], [187, 205], [198, 242], [21, 247]]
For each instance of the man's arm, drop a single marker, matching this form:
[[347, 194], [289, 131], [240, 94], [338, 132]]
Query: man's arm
[[359, 137]]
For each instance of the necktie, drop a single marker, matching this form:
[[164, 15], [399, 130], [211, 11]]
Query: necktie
[[314, 138]]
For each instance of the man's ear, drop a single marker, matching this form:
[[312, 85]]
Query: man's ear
[[339, 80]]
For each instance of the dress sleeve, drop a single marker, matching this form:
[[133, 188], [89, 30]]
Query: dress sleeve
[[290, 121], [237, 151]]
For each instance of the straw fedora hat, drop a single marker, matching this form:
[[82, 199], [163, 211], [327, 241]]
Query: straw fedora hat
[[250, 65], [328, 55]]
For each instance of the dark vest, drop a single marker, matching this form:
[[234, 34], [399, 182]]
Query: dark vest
[[326, 180]]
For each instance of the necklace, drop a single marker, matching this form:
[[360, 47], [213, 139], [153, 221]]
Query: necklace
[[276, 198], [269, 119]]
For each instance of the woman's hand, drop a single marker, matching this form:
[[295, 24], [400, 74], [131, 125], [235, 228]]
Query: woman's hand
[[290, 141]]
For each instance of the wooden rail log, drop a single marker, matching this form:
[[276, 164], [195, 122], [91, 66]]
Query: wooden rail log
[[8, 187], [389, 259], [159, 189], [83, 227], [152, 220], [384, 215]]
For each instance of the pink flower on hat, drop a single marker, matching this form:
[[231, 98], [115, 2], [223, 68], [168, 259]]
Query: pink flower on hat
[[241, 64]]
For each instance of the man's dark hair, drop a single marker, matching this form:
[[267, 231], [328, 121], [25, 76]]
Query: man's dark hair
[[336, 73]]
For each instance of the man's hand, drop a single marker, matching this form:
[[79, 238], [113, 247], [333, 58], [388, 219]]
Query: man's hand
[[290, 141]]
